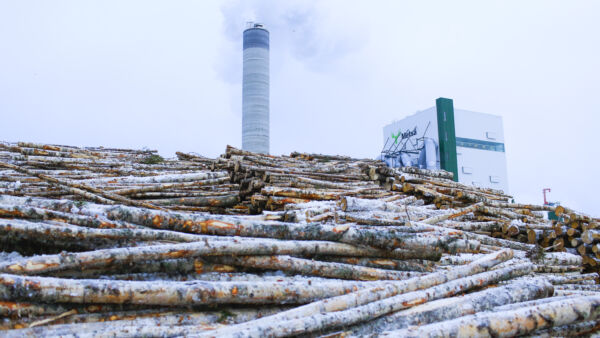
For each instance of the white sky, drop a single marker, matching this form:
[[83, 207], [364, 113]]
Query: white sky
[[167, 75]]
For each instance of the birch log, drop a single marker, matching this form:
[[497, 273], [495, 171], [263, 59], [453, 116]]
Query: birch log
[[309, 267], [454, 214], [391, 264], [29, 212], [330, 320], [569, 330], [147, 323], [450, 308], [512, 323], [349, 204], [76, 187], [50, 232], [263, 325], [109, 257], [100, 291], [389, 238]]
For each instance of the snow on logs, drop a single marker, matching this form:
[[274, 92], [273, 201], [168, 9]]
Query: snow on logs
[[124, 242]]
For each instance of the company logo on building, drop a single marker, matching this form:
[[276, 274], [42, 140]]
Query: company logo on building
[[404, 135]]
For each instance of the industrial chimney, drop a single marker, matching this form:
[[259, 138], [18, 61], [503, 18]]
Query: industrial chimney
[[255, 89]]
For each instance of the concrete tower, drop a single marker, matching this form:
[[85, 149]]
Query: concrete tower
[[255, 89]]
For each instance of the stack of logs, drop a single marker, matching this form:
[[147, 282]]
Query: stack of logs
[[270, 182], [573, 232], [131, 177], [114, 242]]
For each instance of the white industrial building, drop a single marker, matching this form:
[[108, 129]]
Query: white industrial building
[[469, 144]]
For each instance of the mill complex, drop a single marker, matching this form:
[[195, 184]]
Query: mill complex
[[466, 143]]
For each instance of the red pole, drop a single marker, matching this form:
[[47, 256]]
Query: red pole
[[544, 191]]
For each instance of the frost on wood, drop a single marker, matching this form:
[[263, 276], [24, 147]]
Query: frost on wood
[[104, 241]]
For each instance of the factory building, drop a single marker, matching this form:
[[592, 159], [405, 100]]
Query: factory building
[[469, 144], [255, 89]]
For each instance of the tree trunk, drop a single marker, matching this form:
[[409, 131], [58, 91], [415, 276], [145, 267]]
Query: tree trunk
[[391, 264], [222, 247], [82, 291], [514, 322], [309, 267]]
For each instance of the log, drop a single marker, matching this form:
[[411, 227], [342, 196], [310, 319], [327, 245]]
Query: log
[[178, 178], [514, 322], [49, 232], [561, 258], [202, 201], [309, 267], [590, 236], [366, 220], [575, 293], [261, 326], [450, 308], [391, 264], [425, 172], [82, 291], [595, 288], [454, 214], [149, 323], [530, 303], [108, 257], [44, 214], [503, 213], [500, 242], [227, 226], [301, 193], [349, 204], [145, 327], [384, 233], [569, 330], [213, 225], [573, 278], [330, 320], [558, 268], [82, 189], [489, 226]]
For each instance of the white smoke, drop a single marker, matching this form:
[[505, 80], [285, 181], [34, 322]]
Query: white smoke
[[298, 29]]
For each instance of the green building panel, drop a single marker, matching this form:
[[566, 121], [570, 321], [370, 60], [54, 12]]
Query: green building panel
[[447, 135]]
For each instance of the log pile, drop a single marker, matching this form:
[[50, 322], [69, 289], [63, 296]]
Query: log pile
[[270, 182], [114, 242], [115, 176], [497, 216]]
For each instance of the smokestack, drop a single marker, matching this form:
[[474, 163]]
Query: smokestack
[[255, 89]]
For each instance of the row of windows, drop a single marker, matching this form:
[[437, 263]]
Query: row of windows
[[478, 144]]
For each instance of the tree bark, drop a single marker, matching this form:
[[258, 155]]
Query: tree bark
[[391, 264], [309, 267], [109, 257], [512, 323], [100, 291]]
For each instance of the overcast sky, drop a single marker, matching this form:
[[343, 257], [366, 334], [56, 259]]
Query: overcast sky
[[166, 75]]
